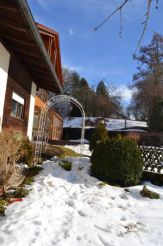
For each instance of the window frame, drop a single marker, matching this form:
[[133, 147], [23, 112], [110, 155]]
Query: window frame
[[17, 107]]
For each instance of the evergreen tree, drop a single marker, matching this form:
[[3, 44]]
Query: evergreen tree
[[151, 62], [156, 116], [148, 85], [95, 102], [100, 133], [75, 112], [101, 89]]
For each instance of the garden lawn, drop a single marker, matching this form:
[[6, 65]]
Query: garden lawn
[[71, 208]]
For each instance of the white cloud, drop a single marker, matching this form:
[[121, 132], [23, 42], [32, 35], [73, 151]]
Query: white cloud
[[42, 3], [71, 31], [77, 68], [126, 93], [71, 67]]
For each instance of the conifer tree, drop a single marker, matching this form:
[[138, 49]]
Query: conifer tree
[[101, 89], [100, 133], [156, 117]]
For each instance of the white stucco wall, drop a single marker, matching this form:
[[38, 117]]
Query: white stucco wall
[[31, 111], [4, 66]]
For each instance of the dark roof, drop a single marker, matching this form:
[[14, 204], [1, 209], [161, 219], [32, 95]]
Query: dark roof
[[20, 35]]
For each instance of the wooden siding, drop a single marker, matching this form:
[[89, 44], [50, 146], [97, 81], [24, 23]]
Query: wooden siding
[[56, 128], [19, 81], [54, 122], [52, 45]]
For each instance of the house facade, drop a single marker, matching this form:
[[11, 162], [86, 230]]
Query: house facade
[[26, 64]]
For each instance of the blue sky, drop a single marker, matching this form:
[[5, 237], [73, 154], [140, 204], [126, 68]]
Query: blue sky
[[100, 55]]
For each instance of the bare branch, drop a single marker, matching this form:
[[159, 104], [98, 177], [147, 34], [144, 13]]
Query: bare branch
[[145, 24], [157, 4], [118, 9], [121, 25]]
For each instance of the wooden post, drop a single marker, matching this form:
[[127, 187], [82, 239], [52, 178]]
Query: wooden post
[[125, 122]]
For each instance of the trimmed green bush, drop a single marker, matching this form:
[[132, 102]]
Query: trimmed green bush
[[145, 192], [118, 161], [100, 134]]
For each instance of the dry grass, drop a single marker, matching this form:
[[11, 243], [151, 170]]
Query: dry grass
[[67, 152], [145, 192]]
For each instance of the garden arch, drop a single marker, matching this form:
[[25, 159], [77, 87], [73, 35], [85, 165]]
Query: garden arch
[[42, 122]]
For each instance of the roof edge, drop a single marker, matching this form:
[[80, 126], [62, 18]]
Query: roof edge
[[29, 17]]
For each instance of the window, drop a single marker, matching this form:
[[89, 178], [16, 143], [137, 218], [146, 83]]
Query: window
[[17, 106]]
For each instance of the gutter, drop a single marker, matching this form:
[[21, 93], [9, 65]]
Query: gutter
[[29, 18]]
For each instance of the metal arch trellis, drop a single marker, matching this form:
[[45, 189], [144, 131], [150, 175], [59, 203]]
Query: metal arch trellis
[[42, 121]]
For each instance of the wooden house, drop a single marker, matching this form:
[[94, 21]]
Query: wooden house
[[29, 60]]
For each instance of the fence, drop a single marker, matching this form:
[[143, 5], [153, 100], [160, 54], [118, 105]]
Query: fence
[[153, 159]]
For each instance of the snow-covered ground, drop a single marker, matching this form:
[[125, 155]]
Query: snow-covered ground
[[111, 124], [72, 209]]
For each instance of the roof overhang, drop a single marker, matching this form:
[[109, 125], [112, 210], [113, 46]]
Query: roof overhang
[[20, 34]]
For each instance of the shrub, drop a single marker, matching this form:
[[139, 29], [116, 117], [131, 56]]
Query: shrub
[[33, 171], [100, 134], [9, 155], [21, 192], [28, 181], [118, 136], [117, 161], [14, 148], [102, 184], [3, 205], [156, 116], [66, 165], [145, 192], [26, 151]]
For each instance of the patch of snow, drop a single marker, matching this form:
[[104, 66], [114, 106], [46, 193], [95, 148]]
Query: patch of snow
[[111, 124], [72, 209]]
